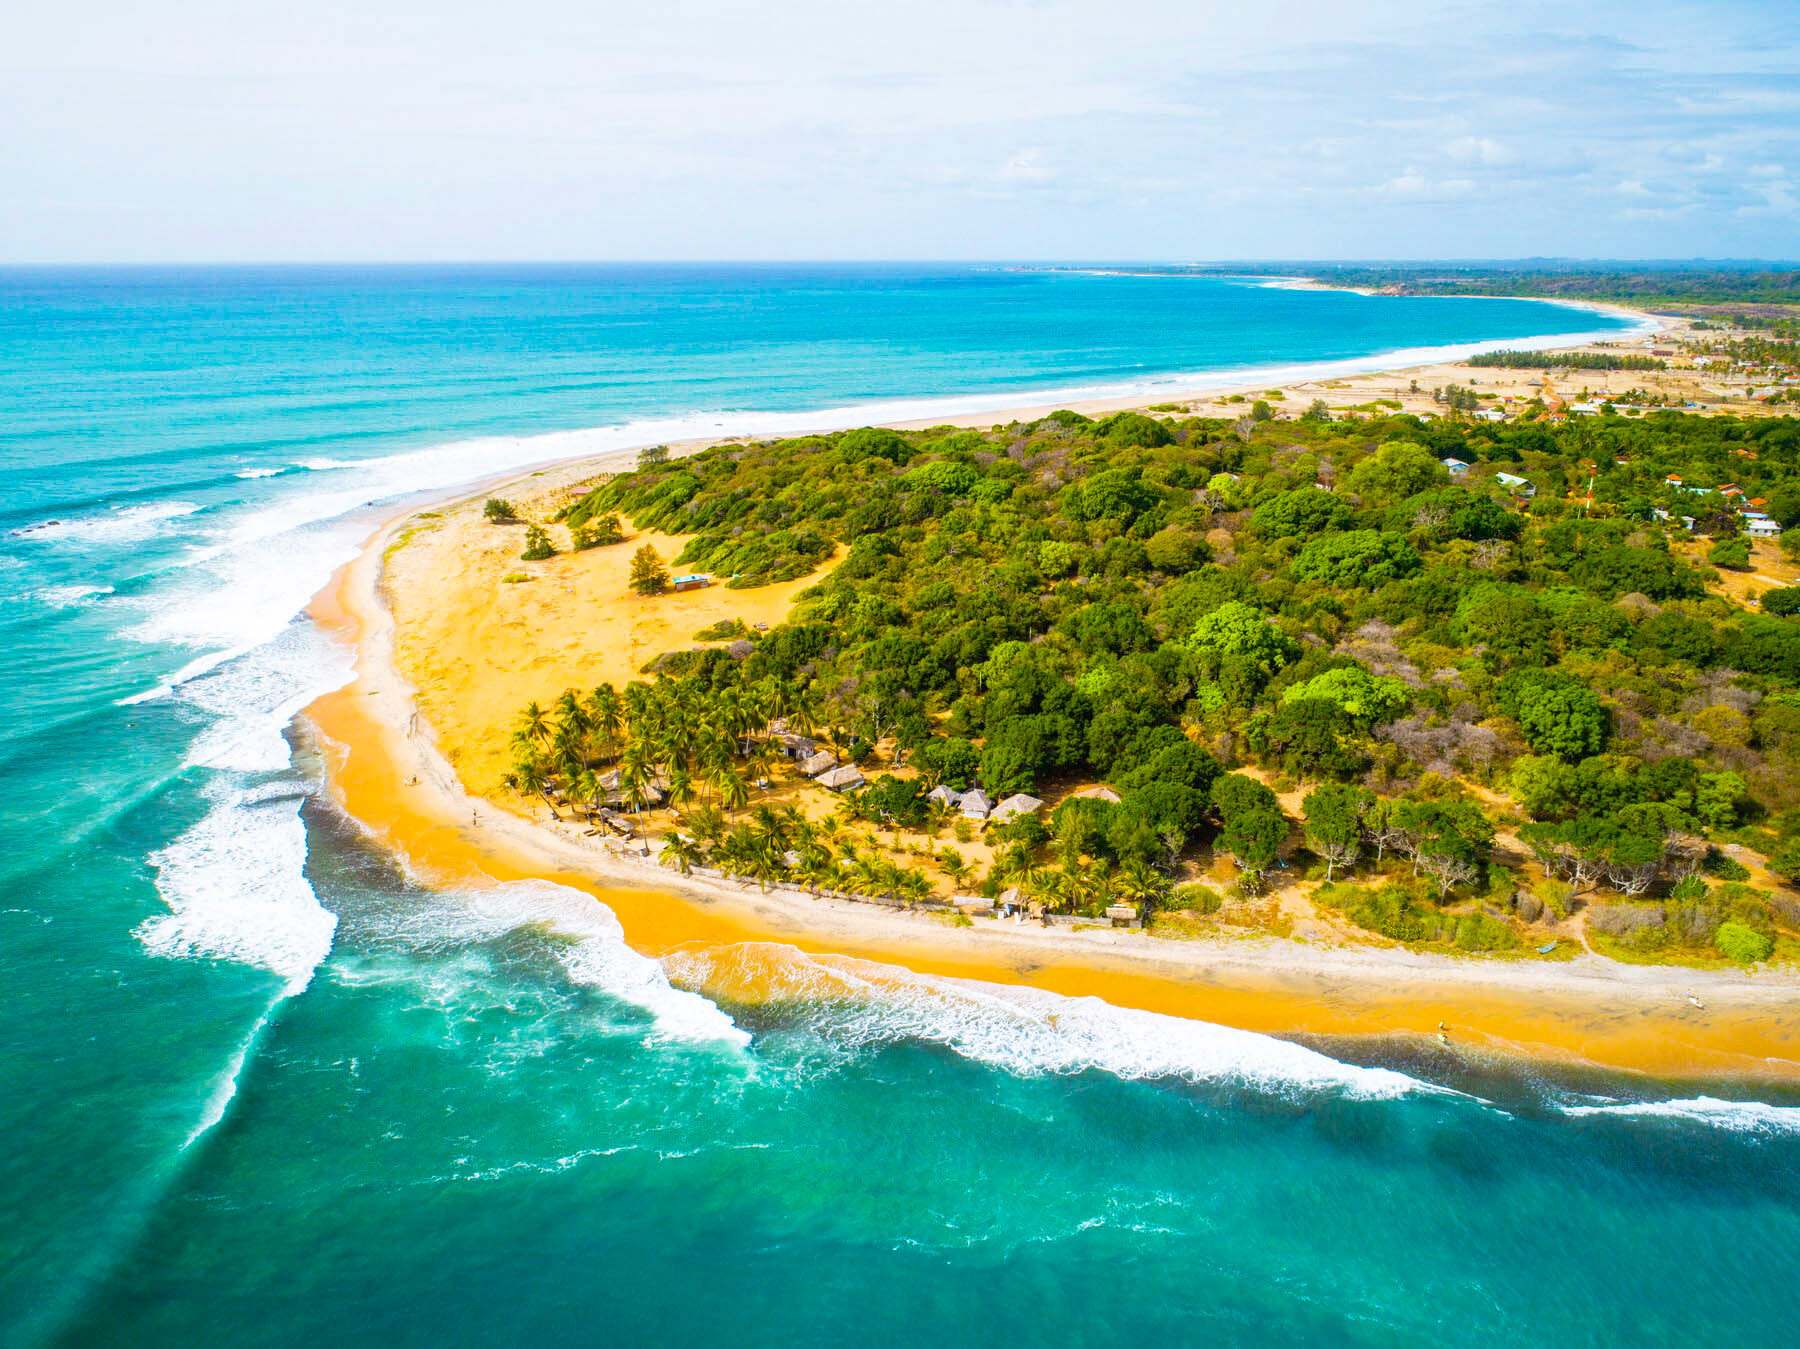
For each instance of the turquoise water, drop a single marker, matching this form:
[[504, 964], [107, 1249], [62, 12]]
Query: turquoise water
[[256, 1088]]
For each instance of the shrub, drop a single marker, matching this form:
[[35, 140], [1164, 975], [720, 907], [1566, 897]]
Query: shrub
[[1725, 868], [1742, 944], [725, 630], [1688, 888], [1782, 601], [1480, 932], [500, 511], [1556, 896], [537, 544], [1195, 899]]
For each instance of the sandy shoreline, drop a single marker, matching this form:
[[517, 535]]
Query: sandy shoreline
[[388, 774]]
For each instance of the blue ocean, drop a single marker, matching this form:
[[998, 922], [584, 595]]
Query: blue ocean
[[259, 1088]]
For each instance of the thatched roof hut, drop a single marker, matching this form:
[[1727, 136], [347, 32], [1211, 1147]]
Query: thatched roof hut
[[822, 762], [845, 779], [1019, 803]]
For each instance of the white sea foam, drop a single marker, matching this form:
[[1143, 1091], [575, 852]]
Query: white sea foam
[[236, 888], [255, 696], [597, 955], [1027, 1031], [118, 525], [258, 472], [70, 596], [1739, 1116]]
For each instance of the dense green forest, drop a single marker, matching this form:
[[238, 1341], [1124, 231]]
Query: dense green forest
[[1202, 613]]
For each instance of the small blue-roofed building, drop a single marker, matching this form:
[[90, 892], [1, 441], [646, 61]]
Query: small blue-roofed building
[[1513, 483], [1456, 467]]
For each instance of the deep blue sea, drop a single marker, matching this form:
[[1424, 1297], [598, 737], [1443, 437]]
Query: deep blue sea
[[257, 1088]]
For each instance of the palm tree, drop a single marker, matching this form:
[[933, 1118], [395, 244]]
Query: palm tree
[[533, 724], [955, 866], [570, 716], [1143, 885], [766, 863], [804, 710], [681, 786], [706, 825], [817, 866], [678, 852], [771, 824], [634, 778], [799, 829], [734, 792], [587, 788], [529, 773], [914, 886], [606, 717]]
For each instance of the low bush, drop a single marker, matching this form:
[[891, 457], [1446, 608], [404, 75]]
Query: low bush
[[1195, 899], [725, 630], [1742, 944]]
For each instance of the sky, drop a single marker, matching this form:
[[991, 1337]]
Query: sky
[[232, 130]]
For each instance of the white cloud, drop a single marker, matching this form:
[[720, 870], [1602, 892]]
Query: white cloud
[[1479, 150], [1027, 167]]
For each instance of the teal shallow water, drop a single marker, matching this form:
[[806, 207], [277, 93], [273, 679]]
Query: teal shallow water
[[258, 1089]]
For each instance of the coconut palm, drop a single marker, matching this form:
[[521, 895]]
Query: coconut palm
[[681, 853], [533, 724], [606, 717], [914, 886], [1142, 885], [681, 786], [954, 865], [706, 825], [766, 863], [634, 778], [817, 866], [587, 788], [734, 791], [530, 775], [804, 709]]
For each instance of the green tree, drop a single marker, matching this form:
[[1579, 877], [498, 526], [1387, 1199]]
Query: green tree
[[648, 575], [1367, 699], [537, 544], [1357, 558], [1235, 632], [1333, 820], [1305, 739], [1733, 553], [499, 511], [1557, 714], [1397, 470]]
